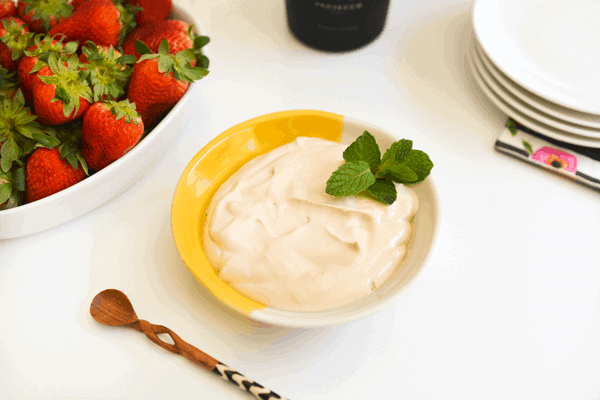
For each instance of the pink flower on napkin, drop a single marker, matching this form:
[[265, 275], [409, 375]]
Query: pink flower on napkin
[[556, 158]]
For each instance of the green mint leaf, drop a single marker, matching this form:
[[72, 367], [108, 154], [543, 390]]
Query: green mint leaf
[[528, 147], [398, 151], [350, 178], [399, 173], [420, 163], [5, 191], [402, 149], [384, 191], [364, 148]]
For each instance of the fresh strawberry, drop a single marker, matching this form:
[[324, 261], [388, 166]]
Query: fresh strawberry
[[63, 93], [95, 20], [153, 11], [42, 15], [160, 79], [127, 13], [55, 166], [47, 173], [140, 33], [15, 39], [37, 57], [110, 130], [178, 34], [7, 8], [109, 71], [174, 31], [76, 3]]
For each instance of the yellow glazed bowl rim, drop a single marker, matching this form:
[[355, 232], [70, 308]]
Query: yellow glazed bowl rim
[[226, 153]]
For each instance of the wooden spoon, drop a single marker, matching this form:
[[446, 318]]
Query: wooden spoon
[[111, 307]]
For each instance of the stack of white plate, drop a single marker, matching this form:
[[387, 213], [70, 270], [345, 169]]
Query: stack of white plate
[[539, 62]]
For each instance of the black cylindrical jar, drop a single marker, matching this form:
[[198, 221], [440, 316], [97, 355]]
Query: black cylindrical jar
[[336, 25]]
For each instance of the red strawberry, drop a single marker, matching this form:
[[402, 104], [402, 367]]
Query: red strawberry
[[174, 31], [110, 130], [31, 62], [140, 33], [76, 3], [153, 11], [15, 39], [178, 34], [63, 94], [42, 15], [127, 15], [7, 8], [46, 173], [95, 20], [160, 79]]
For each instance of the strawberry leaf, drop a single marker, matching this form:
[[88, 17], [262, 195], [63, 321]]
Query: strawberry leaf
[[9, 153], [163, 47], [201, 41], [127, 59], [124, 109], [202, 61], [62, 95], [46, 140], [5, 165], [19, 179], [83, 163], [37, 66], [28, 130], [70, 47], [165, 64], [141, 47], [5, 191]]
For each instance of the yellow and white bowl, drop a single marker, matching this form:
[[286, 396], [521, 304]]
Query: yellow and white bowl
[[233, 148]]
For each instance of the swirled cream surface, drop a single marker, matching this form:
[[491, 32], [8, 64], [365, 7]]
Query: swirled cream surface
[[275, 236]]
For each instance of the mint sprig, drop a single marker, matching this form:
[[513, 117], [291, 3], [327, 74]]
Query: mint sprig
[[366, 171]]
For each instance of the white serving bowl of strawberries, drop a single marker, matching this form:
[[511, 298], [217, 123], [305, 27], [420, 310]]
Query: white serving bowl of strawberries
[[92, 93]]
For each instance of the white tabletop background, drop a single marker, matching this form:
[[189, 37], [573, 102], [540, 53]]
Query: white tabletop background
[[509, 306]]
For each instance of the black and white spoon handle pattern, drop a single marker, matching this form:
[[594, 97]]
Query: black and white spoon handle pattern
[[259, 391]]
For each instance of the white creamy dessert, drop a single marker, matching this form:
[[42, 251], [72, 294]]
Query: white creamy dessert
[[275, 236]]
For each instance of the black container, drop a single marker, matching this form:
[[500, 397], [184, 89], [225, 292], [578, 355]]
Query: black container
[[336, 25]]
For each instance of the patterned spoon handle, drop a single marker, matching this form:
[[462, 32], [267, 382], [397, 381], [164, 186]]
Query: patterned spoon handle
[[204, 360], [259, 391]]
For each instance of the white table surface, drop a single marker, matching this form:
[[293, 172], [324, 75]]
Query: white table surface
[[508, 308]]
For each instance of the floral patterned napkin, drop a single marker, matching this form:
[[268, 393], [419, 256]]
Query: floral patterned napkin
[[577, 162]]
